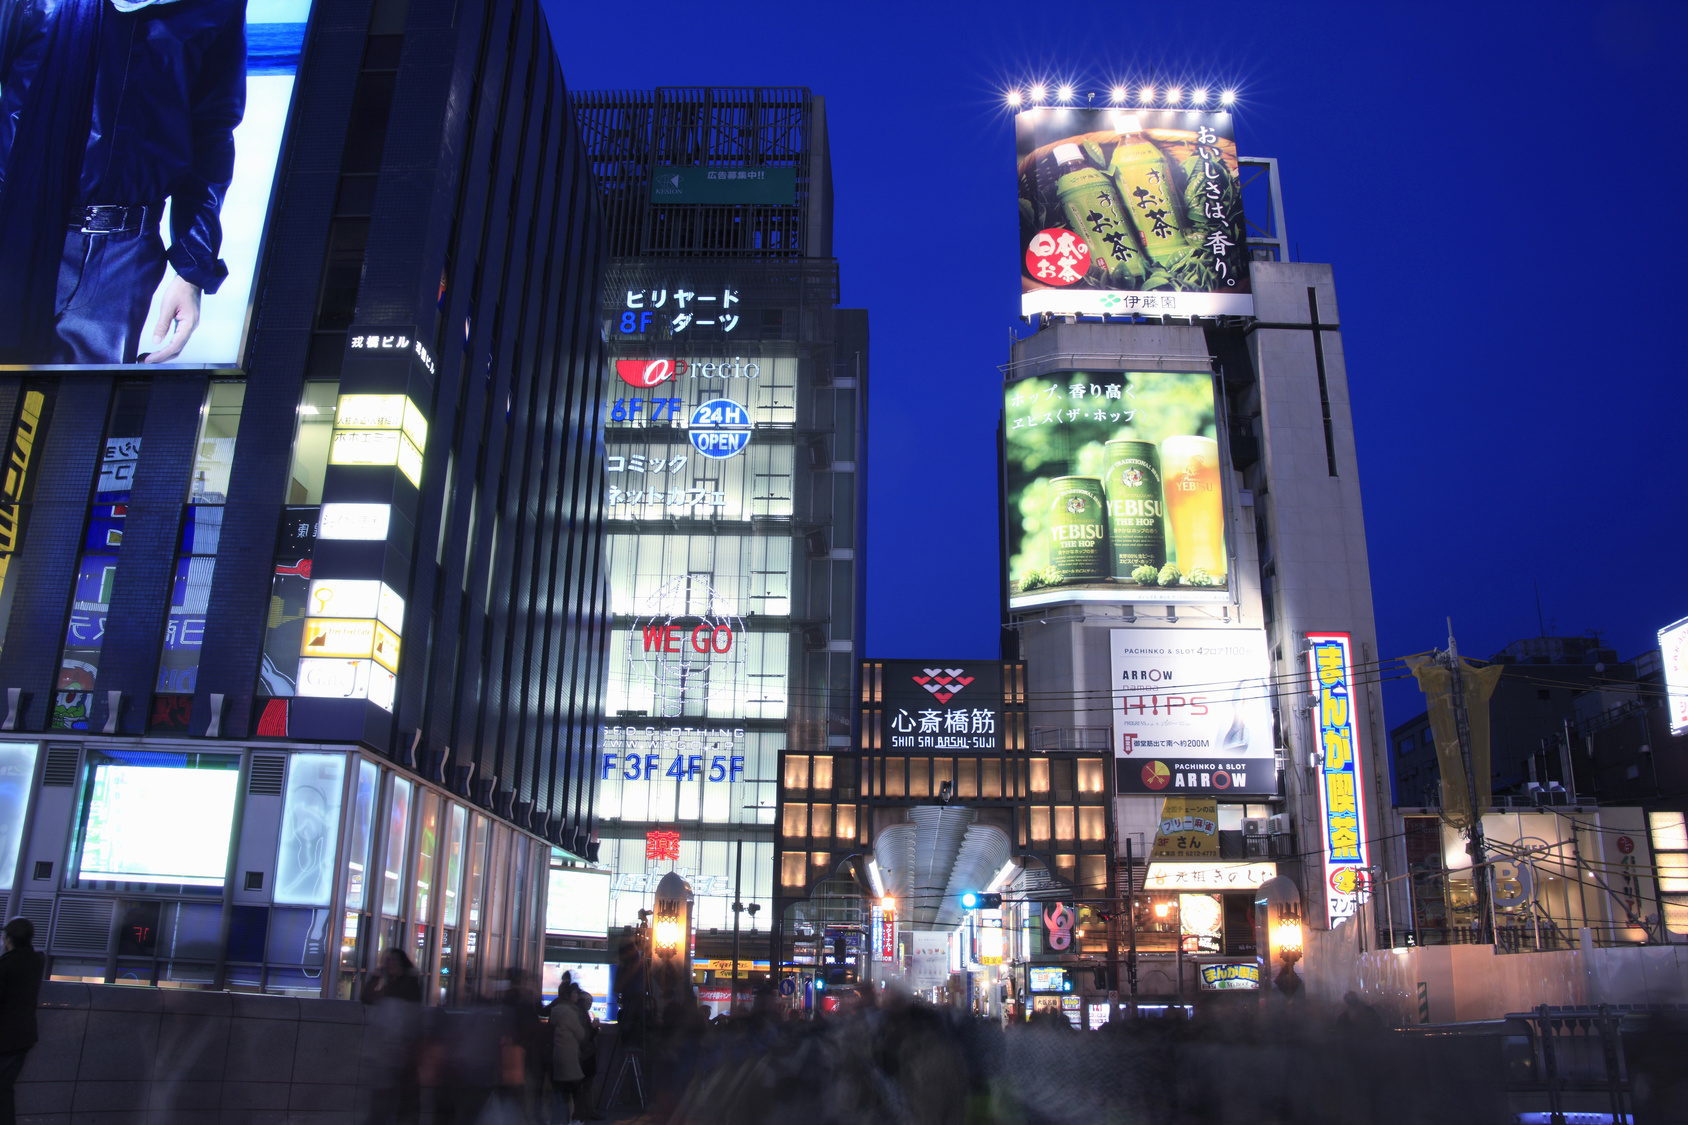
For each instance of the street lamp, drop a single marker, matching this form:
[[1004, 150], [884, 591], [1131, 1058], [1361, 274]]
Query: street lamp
[[1287, 941]]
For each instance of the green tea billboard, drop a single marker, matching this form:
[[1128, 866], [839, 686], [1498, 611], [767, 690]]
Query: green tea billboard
[[1114, 489], [1130, 212]]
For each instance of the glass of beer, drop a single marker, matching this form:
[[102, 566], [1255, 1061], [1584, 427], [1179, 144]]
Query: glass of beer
[[1194, 502]]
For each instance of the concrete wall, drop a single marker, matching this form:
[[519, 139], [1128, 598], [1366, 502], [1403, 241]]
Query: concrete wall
[[1473, 982], [111, 1055]]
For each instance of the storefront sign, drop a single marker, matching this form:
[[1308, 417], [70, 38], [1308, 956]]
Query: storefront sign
[[754, 184], [1058, 922], [943, 705], [1240, 976], [354, 521], [662, 844], [673, 309], [1163, 876], [719, 428], [1341, 800], [1189, 829]]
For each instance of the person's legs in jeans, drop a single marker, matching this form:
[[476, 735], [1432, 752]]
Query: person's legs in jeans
[[10, 1064]]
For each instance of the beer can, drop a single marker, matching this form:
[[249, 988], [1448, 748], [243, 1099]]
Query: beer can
[[1136, 507], [1078, 529]]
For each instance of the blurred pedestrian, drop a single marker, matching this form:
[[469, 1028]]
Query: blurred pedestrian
[[569, 1031], [393, 1033], [20, 988]]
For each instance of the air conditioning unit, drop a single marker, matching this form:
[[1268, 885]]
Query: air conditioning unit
[[1254, 826], [1258, 847], [1278, 824]]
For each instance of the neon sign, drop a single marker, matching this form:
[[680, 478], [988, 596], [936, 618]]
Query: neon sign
[[1341, 802]]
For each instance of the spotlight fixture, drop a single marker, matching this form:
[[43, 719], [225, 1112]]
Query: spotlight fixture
[[1065, 94], [1199, 96], [1014, 97], [1146, 95], [1037, 93], [1173, 94], [1119, 94], [1227, 97]]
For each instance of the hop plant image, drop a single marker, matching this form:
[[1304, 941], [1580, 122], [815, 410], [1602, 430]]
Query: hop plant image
[[1170, 574], [1146, 576], [1199, 576]]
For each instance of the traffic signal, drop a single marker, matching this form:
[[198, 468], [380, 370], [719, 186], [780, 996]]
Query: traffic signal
[[974, 900]]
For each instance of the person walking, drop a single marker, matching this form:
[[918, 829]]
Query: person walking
[[20, 988], [394, 1030], [569, 1035]]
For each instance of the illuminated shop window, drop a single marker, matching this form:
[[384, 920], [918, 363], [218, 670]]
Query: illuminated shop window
[[1670, 851], [96, 570], [793, 869], [311, 442], [154, 822]]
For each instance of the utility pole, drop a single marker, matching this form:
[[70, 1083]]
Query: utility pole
[[738, 910], [1131, 921], [1474, 846], [1113, 925]]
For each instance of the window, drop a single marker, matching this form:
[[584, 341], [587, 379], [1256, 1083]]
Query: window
[[398, 836], [1040, 775], [1040, 824], [1092, 823], [846, 822], [1670, 852], [820, 820], [793, 869], [797, 771], [196, 562], [96, 572], [1064, 823], [311, 442], [823, 772], [1090, 775], [793, 820]]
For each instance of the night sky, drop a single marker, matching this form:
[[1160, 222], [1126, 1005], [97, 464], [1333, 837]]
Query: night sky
[[1500, 188]]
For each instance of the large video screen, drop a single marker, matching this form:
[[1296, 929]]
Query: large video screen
[[577, 902], [1128, 212], [158, 818], [1115, 489], [154, 127]]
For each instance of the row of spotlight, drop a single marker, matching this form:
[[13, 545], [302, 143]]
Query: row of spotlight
[[1120, 95]]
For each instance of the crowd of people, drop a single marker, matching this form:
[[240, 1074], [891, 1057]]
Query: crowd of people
[[514, 1061]]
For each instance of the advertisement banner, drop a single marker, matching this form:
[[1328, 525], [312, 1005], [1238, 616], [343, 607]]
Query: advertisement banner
[[1341, 797], [1192, 711], [1189, 829], [699, 184], [1673, 647], [163, 155], [943, 705], [1115, 489], [931, 956], [1130, 212], [1236, 976]]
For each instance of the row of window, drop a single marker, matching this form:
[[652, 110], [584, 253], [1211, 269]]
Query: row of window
[[990, 778]]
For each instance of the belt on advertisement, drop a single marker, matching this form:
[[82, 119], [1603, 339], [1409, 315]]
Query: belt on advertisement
[[101, 218]]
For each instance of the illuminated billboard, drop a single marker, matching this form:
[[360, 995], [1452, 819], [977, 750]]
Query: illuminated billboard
[[158, 818], [1192, 712], [1341, 797], [1673, 647], [1115, 489], [1130, 212], [164, 158], [943, 705]]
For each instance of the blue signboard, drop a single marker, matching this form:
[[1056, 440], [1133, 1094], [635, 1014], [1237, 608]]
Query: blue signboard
[[720, 428]]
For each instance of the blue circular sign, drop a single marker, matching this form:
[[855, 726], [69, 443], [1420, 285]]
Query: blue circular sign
[[720, 428], [788, 987]]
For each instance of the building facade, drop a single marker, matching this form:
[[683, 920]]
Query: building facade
[[733, 434], [304, 627], [1185, 572]]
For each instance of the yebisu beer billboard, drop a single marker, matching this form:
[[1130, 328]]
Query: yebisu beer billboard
[[1114, 489], [1130, 211]]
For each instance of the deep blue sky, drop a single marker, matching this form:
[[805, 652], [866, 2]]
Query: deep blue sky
[[1499, 186]]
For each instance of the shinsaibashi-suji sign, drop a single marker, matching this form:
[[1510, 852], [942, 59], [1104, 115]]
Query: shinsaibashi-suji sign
[[940, 705]]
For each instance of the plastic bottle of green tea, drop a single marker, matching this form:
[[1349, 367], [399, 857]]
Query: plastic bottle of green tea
[[1095, 211], [1144, 179]]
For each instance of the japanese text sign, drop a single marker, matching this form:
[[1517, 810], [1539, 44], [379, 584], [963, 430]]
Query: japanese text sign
[[1341, 800], [1189, 829], [943, 705]]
